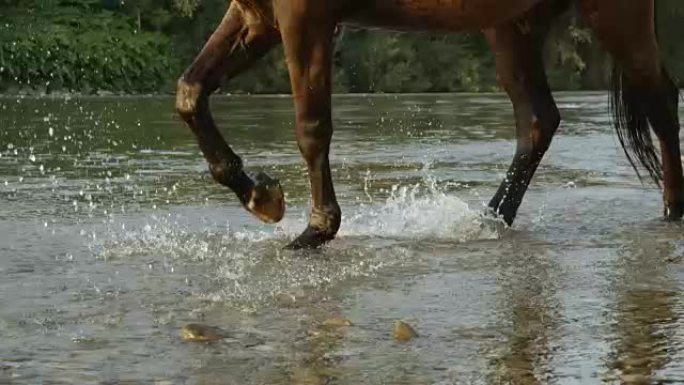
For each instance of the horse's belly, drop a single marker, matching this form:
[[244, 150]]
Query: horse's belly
[[448, 15]]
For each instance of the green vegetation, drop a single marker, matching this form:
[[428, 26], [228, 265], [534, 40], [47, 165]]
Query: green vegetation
[[141, 46]]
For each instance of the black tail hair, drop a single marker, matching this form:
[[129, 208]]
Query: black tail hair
[[631, 124]]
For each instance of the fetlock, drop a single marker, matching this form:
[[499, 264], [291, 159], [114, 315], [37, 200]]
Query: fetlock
[[326, 221]]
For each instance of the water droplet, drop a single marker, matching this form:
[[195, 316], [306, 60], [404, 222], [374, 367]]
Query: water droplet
[[51, 131], [32, 158]]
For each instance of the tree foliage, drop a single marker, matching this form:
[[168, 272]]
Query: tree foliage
[[134, 46], [79, 45]]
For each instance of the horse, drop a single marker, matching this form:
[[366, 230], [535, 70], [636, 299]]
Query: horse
[[643, 96]]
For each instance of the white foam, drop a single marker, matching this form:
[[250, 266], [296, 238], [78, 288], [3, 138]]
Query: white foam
[[420, 212]]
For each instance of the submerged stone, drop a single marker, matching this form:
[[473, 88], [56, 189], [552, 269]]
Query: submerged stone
[[201, 333], [403, 332], [337, 322], [286, 300], [636, 379]]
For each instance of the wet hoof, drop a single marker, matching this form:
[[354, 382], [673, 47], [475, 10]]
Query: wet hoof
[[266, 200], [490, 213], [311, 238], [499, 216], [672, 215], [491, 221]]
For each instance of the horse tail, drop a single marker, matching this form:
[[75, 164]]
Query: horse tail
[[631, 125]]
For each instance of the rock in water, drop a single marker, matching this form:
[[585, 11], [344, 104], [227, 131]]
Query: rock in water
[[201, 333], [636, 379], [286, 300], [403, 332], [337, 322]]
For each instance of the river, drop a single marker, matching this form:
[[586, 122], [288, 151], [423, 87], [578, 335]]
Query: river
[[113, 236]]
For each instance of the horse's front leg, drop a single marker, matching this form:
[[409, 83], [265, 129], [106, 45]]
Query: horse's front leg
[[307, 29], [520, 70], [242, 37]]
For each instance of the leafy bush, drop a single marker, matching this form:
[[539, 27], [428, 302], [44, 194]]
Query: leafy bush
[[72, 48]]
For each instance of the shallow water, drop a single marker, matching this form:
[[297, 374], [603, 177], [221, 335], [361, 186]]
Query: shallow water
[[112, 237]]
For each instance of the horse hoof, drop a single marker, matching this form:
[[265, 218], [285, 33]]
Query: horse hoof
[[673, 214], [266, 200], [310, 239], [489, 213]]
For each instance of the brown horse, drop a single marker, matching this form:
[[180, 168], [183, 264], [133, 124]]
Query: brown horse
[[516, 31]]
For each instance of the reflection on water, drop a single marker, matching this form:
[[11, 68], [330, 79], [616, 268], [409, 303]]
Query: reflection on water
[[645, 319], [112, 237], [530, 315]]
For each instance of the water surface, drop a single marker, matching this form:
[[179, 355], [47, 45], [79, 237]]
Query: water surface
[[113, 236]]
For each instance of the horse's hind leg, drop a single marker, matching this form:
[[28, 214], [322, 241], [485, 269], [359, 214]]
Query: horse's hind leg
[[241, 38], [307, 30], [644, 92], [662, 110], [520, 70]]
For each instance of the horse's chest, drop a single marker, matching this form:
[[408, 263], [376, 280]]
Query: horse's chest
[[449, 15]]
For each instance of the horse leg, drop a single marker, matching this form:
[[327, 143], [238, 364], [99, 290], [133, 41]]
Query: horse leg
[[520, 71], [627, 30], [241, 38], [307, 30]]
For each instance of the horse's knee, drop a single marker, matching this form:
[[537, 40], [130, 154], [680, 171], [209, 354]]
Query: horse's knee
[[188, 96], [542, 133], [543, 128], [313, 137]]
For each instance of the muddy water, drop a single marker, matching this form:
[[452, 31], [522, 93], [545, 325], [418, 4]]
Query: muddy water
[[113, 237]]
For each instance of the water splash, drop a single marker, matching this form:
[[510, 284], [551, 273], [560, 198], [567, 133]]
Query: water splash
[[423, 211], [247, 267]]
